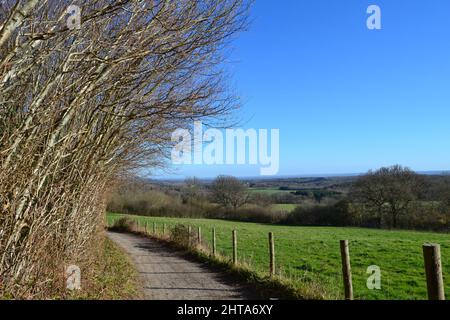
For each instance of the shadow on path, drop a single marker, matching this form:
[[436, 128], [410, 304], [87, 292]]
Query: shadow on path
[[167, 274]]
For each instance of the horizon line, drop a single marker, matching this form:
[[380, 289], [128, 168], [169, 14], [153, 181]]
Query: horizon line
[[292, 176]]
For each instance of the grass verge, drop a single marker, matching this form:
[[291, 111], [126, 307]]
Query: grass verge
[[113, 277]]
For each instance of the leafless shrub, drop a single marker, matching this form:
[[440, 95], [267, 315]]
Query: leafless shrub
[[79, 108], [123, 225], [229, 192], [181, 235]]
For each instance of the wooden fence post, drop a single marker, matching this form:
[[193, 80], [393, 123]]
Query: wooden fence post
[[146, 227], [213, 242], [154, 228], [189, 235], [234, 247], [164, 229], [199, 235], [346, 270], [271, 254], [433, 270]]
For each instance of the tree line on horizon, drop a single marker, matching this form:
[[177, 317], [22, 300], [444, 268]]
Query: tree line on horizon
[[391, 198]]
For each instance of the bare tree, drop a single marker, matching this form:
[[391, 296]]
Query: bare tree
[[81, 107], [389, 190], [229, 192], [192, 190], [193, 195]]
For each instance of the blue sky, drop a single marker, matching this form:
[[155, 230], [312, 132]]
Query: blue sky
[[346, 99]]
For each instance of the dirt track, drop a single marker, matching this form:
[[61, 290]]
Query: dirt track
[[168, 275]]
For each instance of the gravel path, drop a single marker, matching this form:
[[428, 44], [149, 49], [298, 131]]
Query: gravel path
[[167, 275]]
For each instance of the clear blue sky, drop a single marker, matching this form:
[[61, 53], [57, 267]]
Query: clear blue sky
[[346, 99]]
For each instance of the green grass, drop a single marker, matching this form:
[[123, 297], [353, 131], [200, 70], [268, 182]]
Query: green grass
[[284, 207], [311, 254], [112, 277], [268, 191]]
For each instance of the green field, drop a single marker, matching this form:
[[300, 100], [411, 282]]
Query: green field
[[311, 254], [284, 207], [268, 191]]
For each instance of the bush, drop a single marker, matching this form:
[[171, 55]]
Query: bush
[[340, 214], [179, 234], [426, 216], [421, 216], [139, 201], [156, 204], [124, 225], [249, 214]]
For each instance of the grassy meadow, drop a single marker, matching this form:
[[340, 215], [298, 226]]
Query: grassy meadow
[[268, 191], [284, 207], [311, 254]]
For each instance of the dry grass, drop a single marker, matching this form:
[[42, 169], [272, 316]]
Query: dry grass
[[113, 277]]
